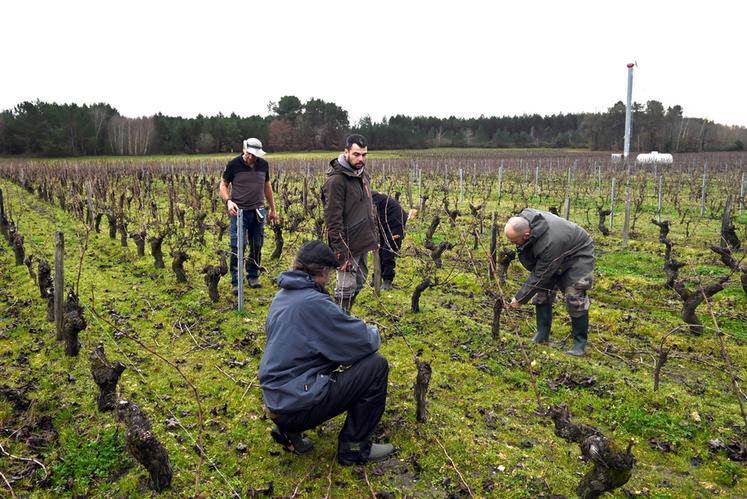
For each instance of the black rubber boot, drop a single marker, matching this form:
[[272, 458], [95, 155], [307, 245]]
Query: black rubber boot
[[544, 323], [580, 329], [292, 442], [386, 285]]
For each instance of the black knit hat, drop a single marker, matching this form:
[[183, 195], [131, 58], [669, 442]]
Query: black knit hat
[[316, 252]]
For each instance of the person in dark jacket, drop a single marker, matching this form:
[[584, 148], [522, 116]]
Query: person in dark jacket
[[391, 221], [559, 254], [309, 338], [349, 218]]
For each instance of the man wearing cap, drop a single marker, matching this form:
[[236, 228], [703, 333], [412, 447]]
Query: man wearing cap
[[559, 254], [309, 338], [350, 218], [249, 179]]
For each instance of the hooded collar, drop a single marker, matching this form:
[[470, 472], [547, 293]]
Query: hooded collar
[[346, 168], [298, 279]]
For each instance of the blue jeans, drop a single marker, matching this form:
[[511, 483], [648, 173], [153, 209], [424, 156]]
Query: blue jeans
[[255, 236]]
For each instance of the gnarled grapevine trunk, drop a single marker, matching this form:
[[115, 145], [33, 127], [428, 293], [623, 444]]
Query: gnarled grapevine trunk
[[139, 238], [144, 446], [221, 226], [111, 219], [506, 256], [691, 300], [278, 230], [612, 467], [18, 249], [602, 214], [156, 251], [177, 265], [421, 388], [425, 284], [213, 274], [106, 375], [728, 260], [497, 311], [122, 228], [73, 323]]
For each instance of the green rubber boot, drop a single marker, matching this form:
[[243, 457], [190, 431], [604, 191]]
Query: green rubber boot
[[580, 329], [544, 322]]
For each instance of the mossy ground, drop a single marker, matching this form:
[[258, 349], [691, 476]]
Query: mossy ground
[[483, 430]]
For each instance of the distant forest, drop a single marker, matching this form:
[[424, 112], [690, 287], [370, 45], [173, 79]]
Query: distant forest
[[50, 129]]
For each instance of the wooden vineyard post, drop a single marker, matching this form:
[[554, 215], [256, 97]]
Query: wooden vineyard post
[[409, 188], [726, 224], [703, 190], [172, 198], [461, 185], [741, 195], [626, 223], [500, 182], [536, 179], [567, 203], [612, 202], [377, 272], [91, 212], [305, 195], [658, 211], [420, 184], [59, 281]]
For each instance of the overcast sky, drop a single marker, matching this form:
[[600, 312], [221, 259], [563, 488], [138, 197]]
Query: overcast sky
[[463, 58]]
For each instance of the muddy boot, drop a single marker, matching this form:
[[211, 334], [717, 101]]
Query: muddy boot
[[380, 451], [292, 442], [386, 285], [580, 329], [354, 453], [544, 322]]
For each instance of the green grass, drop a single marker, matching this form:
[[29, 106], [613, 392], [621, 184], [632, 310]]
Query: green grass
[[85, 458], [481, 409]]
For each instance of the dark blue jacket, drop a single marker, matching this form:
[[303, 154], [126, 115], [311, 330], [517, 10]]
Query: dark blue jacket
[[308, 337]]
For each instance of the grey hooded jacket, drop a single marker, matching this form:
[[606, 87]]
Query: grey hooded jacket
[[308, 337], [555, 246]]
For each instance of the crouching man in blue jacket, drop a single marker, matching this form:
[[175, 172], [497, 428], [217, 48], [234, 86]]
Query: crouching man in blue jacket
[[309, 339]]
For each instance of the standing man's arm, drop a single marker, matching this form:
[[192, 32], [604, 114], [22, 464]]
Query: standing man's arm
[[334, 204], [226, 195], [270, 201]]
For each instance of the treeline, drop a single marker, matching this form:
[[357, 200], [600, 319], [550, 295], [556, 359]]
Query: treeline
[[50, 129]]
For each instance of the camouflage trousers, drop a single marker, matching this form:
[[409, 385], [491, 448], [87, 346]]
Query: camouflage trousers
[[574, 288]]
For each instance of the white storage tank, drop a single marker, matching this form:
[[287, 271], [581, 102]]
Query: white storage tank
[[655, 157]]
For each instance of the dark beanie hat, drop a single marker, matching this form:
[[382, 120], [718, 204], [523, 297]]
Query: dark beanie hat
[[316, 252]]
